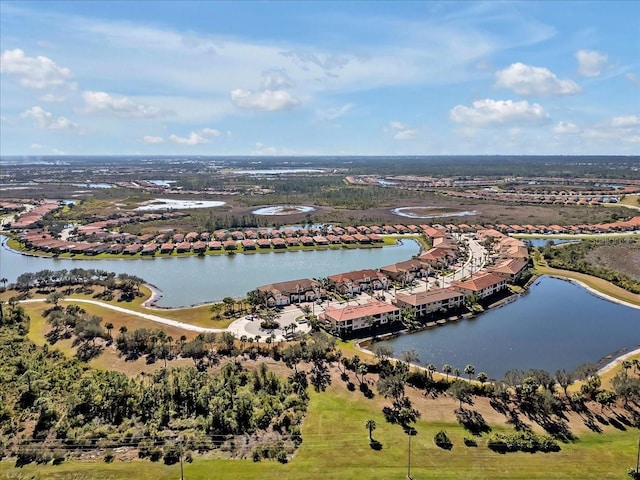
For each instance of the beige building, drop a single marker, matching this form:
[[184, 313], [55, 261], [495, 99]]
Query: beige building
[[358, 317], [427, 302]]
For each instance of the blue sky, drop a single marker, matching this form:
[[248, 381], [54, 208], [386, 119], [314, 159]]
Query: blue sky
[[319, 78]]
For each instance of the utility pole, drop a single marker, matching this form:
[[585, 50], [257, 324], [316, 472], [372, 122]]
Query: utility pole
[[409, 459], [638, 459], [410, 432], [181, 440]]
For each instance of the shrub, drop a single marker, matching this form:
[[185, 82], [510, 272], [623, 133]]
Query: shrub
[[442, 440], [108, 455], [523, 442], [171, 454]]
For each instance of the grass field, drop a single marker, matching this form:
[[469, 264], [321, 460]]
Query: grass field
[[336, 446]]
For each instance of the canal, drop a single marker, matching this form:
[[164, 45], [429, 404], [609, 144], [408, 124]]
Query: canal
[[556, 324], [185, 281]]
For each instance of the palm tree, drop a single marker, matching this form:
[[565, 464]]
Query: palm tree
[[4, 281], [109, 327], [371, 425], [456, 372], [447, 370], [431, 368], [470, 370], [482, 377]]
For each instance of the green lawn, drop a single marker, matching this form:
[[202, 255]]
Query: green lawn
[[335, 445]]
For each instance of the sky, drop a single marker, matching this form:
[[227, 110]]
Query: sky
[[319, 78]]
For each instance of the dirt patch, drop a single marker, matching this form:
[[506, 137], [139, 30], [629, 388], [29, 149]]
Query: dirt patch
[[624, 258]]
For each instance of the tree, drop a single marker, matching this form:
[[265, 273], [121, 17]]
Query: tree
[[470, 370], [564, 379], [370, 424], [55, 297], [605, 398], [409, 356], [382, 352], [482, 377], [446, 368], [109, 327], [4, 281], [229, 304], [461, 391]]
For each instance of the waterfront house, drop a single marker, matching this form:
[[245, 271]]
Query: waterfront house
[[215, 245], [230, 245], [248, 244], [511, 268], [293, 291], [183, 247], [199, 246], [481, 284], [166, 247], [150, 248], [278, 243]]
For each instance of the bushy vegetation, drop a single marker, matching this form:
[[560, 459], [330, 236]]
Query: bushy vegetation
[[51, 403], [523, 441], [442, 440], [574, 256]]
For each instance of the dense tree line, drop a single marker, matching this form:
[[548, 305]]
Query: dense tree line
[[81, 280], [52, 405]]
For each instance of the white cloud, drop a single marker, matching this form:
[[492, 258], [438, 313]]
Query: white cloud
[[47, 121], [269, 100], [152, 139], [333, 113], [57, 151], [36, 146], [625, 121], [102, 102], [195, 138], [633, 78], [591, 62], [275, 79], [401, 131], [566, 127], [192, 139], [495, 112], [618, 129], [210, 132], [529, 80], [33, 72], [262, 149], [51, 98]]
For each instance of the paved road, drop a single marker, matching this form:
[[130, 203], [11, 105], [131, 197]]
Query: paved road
[[241, 326]]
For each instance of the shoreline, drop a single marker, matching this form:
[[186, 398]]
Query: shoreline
[[617, 361], [593, 290]]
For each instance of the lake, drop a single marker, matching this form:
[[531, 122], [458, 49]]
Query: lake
[[186, 281], [557, 324]]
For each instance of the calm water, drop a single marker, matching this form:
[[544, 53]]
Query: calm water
[[557, 324], [542, 242], [190, 280]]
